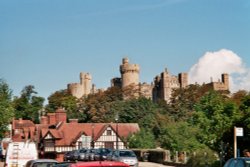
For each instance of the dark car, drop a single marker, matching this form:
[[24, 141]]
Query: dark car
[[90, 154], [101, 154], [41, 163], [82, 154], [238, 162], [71, 155]]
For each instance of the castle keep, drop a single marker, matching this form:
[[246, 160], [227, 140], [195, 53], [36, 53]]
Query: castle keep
[[129, 73], [83, 88], [160, 89], [165, 83]]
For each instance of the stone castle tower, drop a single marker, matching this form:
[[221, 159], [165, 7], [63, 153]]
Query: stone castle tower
[[129, 73], [222, 85], [165, 83], [83, 88]]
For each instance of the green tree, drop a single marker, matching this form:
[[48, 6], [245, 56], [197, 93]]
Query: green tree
[[183, 100], [101, 107], [140, 110], [179, 136], [6, 109], [245, 108], [70, 103], [215, 115], [143, 139], [27, 106]]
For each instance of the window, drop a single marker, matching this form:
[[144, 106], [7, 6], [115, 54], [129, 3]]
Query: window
[[109, 145], [79, 145], [109, 132], [49, 143]]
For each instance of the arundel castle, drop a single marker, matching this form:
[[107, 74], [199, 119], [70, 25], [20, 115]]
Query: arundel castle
[[160, 88]]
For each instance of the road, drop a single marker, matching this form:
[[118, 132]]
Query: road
[[150, 164]]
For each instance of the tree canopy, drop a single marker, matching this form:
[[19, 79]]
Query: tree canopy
[[6, 109], [28, 106]]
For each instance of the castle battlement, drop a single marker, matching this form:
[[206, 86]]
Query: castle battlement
[[85, 76], [129, 68]]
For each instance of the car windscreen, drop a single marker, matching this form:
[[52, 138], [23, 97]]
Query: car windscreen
[[44, 164], [127, 154]]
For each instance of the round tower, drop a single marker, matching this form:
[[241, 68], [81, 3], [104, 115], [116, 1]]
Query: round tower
[[129, 73]]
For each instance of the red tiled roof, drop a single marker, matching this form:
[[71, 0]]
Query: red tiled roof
[[55, 133], [70, 131], [23, 123], [66, 134]]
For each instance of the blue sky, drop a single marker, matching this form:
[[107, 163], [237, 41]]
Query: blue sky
[[47, 43]]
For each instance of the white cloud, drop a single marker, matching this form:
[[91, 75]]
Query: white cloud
[[213, 64]]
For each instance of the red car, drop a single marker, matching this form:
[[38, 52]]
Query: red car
[[99, 164]]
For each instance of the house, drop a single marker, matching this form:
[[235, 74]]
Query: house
[[55, 136]]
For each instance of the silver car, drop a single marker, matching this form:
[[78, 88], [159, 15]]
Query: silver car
[[41, 163], [126, 156]]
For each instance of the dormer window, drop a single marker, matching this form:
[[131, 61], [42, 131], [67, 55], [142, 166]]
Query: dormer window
[[109, 132]]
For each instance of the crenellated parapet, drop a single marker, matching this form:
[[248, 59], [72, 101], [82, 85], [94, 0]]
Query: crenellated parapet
[[85, 76], [129, 68]]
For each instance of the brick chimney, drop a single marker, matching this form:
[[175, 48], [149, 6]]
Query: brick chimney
[[52, 118], [61, 115], [44, 120]]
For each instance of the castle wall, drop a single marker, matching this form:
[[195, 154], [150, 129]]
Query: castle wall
[[146, 90], [116, 82], [220, 85]]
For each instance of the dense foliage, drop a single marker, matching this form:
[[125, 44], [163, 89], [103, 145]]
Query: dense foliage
[[28, 106], [6, 109]]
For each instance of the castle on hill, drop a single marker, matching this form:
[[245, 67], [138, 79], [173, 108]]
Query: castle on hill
[[160, 89]]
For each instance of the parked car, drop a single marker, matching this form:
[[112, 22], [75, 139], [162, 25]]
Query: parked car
[[126, 156], [71, 155], [63, 164], [238, 162], [82, 154], [41, 163], [90, 154], [99, 164], [101, 154], [66, 156]]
